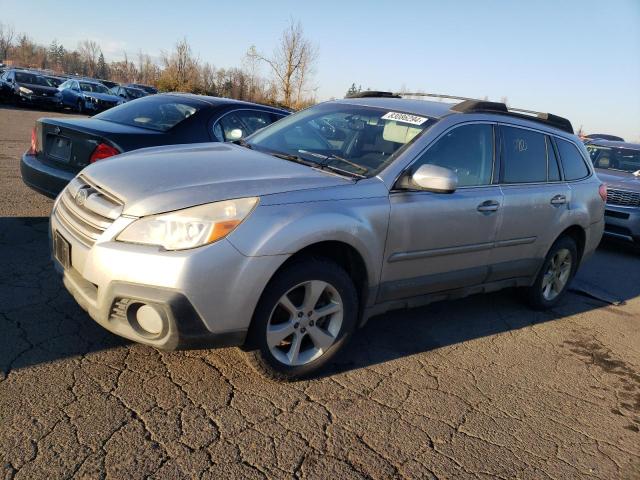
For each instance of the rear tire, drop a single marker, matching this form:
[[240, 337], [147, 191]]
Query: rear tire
[[306, 314], [557, 271]]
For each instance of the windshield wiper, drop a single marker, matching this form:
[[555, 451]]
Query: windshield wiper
[[320, 165], [294, 158], [329, 158], [242, 142]]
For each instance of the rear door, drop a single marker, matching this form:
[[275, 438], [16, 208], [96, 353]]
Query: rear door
[[536, 201], [439, 241]]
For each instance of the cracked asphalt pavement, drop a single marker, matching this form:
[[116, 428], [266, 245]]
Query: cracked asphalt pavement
[[476, 388]]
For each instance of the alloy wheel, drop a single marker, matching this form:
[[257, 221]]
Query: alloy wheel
[[305, 323], [557, 275]]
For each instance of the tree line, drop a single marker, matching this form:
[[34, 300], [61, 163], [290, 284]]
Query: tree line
[[288, 82]]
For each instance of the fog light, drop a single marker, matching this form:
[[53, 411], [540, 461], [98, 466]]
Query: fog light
[[149, 319]]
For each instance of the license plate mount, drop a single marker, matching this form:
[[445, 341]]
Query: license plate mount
[[62, 250], [60, 148]]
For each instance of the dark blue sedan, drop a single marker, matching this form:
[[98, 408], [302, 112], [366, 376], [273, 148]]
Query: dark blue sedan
[[87, 96], [61, 147]]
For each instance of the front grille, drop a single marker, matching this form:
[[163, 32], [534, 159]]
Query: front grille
[[623, 198], [105, 103], [86, 210]]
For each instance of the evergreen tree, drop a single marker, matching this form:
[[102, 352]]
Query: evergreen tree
[[353, 90], [102, 67]]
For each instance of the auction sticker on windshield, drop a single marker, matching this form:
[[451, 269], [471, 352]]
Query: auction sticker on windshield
[[404, 117]]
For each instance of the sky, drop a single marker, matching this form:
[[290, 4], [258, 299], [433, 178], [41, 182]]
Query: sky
[[575, 58]]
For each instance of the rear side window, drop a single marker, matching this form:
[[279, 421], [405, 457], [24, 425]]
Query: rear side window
[[554, 169], [467, 150], [572, 162], [524, 156]]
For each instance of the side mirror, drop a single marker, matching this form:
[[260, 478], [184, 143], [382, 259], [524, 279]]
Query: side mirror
[[235, 134], [432, 178], [122, 95]]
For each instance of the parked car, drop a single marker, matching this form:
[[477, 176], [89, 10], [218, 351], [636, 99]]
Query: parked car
[[618, 165], [286, 242], [87, 96], [109, 84], [61, 147], [129, 93], [53, 80], [147, 88], [602, 136], [22, 87]]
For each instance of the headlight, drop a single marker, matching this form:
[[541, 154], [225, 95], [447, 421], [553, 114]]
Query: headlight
[[25, 90], [191, 227]]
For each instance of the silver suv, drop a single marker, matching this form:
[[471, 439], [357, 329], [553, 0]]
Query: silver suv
[[285, 243]]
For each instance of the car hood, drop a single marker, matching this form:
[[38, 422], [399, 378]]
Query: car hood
[[619, 180], [161, 179], [39, 89], [102, 96]]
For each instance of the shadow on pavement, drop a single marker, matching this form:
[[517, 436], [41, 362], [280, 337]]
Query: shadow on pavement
[[41, 322]]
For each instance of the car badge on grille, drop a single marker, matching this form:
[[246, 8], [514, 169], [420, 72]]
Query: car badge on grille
[[56, 130], [81, 197]]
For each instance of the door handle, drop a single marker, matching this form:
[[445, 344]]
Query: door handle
[[488, 206], [559, 200]]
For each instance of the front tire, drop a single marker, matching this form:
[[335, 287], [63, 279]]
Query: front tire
[[80, 107], [557, 271], [306, 314]]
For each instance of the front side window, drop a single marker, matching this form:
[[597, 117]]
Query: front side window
[[355, 138], [615, 158], [239, 124], [155, 113], [524, 156], [467, 150], [572, 161]]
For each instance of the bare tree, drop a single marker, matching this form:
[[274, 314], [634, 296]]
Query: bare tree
[[291, 63], [89, 52], [181, 69], [7, 34]]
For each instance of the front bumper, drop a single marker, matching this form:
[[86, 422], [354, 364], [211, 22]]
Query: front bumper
[[622, 222], [205, 296], [40, 101], [43, 178], [99, 106]]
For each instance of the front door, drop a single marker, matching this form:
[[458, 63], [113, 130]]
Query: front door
[[439, 241]]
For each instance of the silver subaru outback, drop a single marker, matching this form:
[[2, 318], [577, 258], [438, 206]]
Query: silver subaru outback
[[286, 242]]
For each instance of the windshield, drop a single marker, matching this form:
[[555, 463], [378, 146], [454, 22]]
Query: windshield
[[93, 87], [31, 79], [155, 113], [615, 158], [355, 138], [53, 81], [135, 93]]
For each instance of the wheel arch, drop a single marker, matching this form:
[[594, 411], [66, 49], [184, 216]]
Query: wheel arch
[[578, 234], [343, 254]]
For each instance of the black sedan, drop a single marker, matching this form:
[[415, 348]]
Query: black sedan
[[24, 87], [61, 147]]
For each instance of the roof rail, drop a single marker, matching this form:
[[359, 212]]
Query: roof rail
[[473, 105], [373, 93]]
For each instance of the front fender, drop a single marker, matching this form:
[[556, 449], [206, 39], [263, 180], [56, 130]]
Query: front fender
[[287, 229]]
